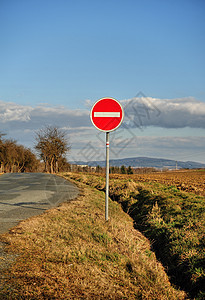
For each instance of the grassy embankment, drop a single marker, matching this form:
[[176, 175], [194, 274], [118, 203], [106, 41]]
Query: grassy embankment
[[174, 220], [70, 252]]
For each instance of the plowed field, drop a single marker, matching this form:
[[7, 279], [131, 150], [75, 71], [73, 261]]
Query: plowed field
[[189, 181]]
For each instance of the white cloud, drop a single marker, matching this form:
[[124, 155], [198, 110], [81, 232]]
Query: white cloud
[[88, 103], [13, 112], [15, 115], [166, 113], [139, 112], [20, 122], [178, 148]]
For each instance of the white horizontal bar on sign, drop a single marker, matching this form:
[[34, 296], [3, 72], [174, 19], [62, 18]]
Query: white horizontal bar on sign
[[107, 114]]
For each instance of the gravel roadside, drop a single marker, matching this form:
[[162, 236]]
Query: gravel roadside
[[6, 260]]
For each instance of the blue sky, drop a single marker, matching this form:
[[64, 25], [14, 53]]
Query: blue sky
[[69, 54]]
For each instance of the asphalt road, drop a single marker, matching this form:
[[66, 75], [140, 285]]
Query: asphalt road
[[23, 195]]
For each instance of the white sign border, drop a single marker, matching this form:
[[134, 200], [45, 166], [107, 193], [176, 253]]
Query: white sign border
[[101, 100]]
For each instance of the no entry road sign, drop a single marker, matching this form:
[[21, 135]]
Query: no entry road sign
[[107, 114]]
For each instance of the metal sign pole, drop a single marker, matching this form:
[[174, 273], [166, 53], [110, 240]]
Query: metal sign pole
[[107, 176], [107, 115]]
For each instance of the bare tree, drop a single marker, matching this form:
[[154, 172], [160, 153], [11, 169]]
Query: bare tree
[[52, 146], [26, 160], [9, 155]]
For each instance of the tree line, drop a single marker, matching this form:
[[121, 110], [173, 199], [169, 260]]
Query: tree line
[[112, 170], [51, 144], [16, 158]]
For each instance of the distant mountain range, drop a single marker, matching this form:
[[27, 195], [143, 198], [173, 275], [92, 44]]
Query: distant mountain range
[[145, 162]]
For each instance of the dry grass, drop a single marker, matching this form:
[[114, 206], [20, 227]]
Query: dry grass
[[71, 253], [174, 220]]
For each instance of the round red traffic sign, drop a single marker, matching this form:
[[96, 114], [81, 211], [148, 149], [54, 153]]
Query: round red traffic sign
[[107, 114]]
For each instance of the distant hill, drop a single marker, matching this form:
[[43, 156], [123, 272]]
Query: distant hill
[[145, 162]]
